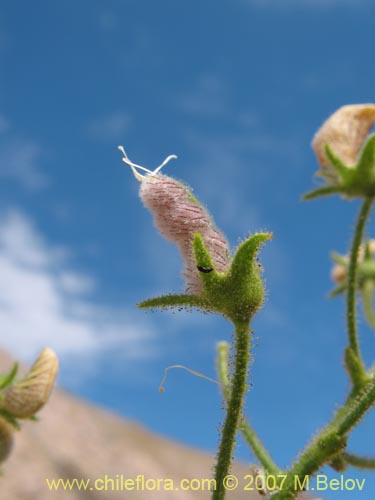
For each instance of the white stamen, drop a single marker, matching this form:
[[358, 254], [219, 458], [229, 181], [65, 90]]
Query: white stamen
[[167, 160], [134, 166]]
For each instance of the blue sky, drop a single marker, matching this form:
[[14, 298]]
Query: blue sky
[[236, 90]]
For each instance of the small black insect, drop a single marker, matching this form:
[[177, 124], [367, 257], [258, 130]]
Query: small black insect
[[204, 269]]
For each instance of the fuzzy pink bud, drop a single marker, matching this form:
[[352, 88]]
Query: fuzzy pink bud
[[178, 215]]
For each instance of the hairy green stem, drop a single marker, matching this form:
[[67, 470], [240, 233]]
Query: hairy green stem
[[245, 427], [357, 404], [258, 448], [367, 300], [352, 278], [234, 408], [359, 461], [330, 442]]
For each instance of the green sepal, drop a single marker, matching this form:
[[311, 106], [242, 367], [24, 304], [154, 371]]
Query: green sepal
[[238, 293], [203, 260], [340, 167], [243, 264], [354, 181], [8, 378], [339, 290], [366, 164], [360, 181], [339, 259], [323, 191], [174, 300]]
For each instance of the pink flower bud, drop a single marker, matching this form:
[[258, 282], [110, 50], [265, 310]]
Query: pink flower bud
[[345, 132], [178, 215]]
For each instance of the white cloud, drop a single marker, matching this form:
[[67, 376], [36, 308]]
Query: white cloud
[[20, 161], [110, 127], [45, 303]]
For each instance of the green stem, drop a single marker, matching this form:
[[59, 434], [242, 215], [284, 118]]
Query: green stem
[[245, 427], [330, 442], [367, 300], [258, 448], [352, 278], [358, 461], [357, 404], [234, 408]]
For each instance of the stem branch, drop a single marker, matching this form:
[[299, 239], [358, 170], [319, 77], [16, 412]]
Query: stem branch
[[330, 442], [359, 461]]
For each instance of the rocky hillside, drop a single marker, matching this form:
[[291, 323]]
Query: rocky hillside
[[77, 440]]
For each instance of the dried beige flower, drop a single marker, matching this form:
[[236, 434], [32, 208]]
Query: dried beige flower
[[345, 132], [28, 395]]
